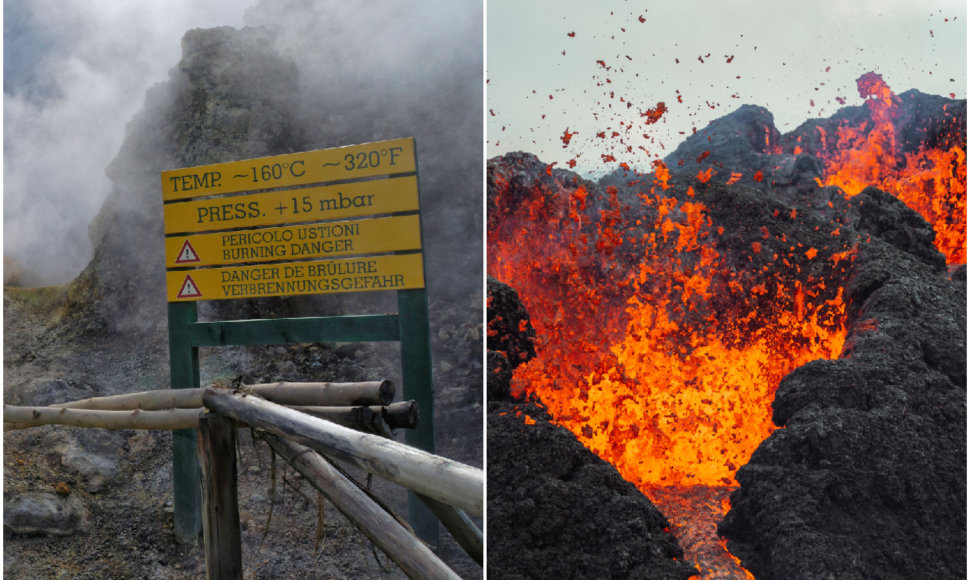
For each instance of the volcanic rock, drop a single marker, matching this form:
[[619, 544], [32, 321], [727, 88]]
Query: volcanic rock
[[921, 121], [868, 477], [887, 218], [557, 510], [499, 378], [92, 454], [43, 513], [509, 328], [511, 339], [45, 391], [746, 142], [740, 139]]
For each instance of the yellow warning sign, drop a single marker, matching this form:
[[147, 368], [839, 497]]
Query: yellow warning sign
[[291, 206], [318, 240], [322, 165], [393, 272]]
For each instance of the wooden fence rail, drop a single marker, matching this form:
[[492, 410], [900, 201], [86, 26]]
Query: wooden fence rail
[[436, 477], [410, 553]]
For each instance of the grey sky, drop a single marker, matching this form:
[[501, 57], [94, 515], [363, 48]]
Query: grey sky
[[795, 58], [74, 74]]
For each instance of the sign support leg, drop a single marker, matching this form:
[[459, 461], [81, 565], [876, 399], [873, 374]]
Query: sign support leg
[[416, 374], [184, 371]]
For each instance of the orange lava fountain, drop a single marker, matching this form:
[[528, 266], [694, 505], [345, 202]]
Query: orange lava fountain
[[932, 181], [634, 360]]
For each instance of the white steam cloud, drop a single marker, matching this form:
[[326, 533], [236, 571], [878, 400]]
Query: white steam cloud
[[74, 74]]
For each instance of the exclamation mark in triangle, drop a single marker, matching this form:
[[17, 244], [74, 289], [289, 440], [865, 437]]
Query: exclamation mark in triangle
[[187, 254], [189, 289]]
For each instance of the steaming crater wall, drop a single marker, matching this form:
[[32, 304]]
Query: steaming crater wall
[[300, 78], [231, 97], [266, 89]]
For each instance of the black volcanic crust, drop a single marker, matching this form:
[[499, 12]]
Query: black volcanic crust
[[509, 328], [556, 510]]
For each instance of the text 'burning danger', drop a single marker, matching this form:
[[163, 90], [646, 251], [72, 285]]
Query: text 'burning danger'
[[369, 236]]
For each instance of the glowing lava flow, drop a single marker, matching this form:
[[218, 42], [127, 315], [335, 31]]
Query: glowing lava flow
[[932, 181], [633, 360], [632, 355]]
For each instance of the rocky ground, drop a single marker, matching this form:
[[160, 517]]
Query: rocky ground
[[92, 503]]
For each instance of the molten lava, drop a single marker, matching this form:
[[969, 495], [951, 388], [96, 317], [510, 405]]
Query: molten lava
[[636, 355], [932, 181], [632, 357]]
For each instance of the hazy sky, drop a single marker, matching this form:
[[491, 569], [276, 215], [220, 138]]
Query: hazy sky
[[555, 65], [74, 74]]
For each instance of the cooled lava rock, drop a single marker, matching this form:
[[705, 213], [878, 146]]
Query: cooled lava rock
[[868, 477], [510, 338], [509, 328], [554, 508]]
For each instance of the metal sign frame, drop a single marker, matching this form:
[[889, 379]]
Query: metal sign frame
[[409, 326]]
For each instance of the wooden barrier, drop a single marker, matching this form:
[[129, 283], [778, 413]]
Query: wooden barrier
[[412, 555], [436, 477], [445, 486], [307, 394]]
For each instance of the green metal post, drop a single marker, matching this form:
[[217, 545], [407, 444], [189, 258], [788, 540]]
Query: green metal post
[[184, 369], [416, 375]]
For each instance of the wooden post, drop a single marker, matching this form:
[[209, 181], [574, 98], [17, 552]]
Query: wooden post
[[460, 526], [436, 477], [220, 524], [415, 558]]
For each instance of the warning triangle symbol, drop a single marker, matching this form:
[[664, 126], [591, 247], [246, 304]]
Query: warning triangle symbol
[[187, 254], [189, 289]]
